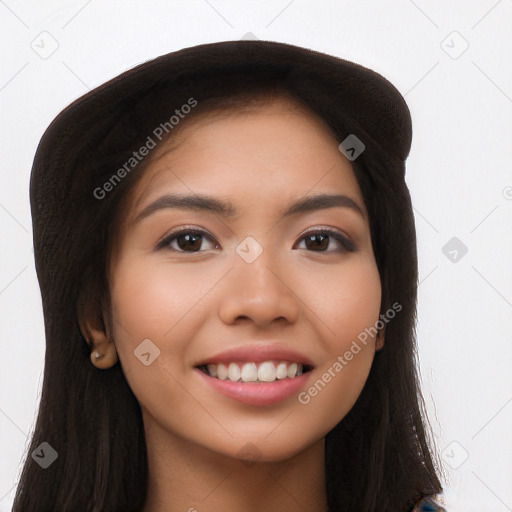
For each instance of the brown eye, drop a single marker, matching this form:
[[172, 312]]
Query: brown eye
[[189, 242], [317, 242], [320, 241], [185, 241]]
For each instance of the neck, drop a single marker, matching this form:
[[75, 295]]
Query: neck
[[187, 477]]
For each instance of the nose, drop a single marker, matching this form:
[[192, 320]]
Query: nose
[[259, 292]]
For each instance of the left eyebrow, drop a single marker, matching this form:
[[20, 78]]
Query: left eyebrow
[[322, 201], [201, 202]]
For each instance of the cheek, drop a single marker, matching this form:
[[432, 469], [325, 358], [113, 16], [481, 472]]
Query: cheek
[[346, 300], [150, 300], [357, 304], [349, 301], [163, 303]]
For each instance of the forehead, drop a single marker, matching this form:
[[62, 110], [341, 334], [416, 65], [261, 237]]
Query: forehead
[[261, 154]]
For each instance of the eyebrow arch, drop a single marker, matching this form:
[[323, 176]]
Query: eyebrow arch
[[200, 202]]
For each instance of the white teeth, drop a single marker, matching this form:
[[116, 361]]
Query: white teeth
[[268, 371], [281, 371], [234, 372], [222, 372], [249, 372], [292, 370], [212, 369]]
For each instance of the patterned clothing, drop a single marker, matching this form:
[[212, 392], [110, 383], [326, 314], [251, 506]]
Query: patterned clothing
[[428, 505]]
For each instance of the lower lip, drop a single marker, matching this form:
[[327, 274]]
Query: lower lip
[[257, 393]]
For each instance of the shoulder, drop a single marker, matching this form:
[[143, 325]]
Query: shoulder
[[428, 505]]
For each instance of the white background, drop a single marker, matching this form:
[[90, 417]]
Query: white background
[[459, 174]]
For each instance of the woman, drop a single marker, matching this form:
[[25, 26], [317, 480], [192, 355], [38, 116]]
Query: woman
[[226, 252]]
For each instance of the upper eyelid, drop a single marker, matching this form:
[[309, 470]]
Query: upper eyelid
[[325, 228], [176, 232]]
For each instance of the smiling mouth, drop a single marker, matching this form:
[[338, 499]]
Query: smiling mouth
[[266, 371]]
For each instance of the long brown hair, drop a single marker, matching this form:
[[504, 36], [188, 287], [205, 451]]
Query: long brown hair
[[379, 456]]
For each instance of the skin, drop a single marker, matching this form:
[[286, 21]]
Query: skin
[[192, 305]]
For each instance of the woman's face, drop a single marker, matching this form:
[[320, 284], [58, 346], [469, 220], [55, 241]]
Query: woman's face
[[252, 284]]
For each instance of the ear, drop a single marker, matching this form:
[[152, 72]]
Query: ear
[[379, 341], [90, 315]]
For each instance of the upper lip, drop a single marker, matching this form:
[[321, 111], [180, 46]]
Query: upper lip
[[257, 353]]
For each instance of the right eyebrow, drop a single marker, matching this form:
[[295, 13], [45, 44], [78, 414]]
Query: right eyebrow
[[195, 202]]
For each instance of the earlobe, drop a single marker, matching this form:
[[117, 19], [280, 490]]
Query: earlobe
[[104, 355], [93, 329], [103, 349]]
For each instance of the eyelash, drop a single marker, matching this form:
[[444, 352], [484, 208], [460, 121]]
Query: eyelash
[[347, 244]]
